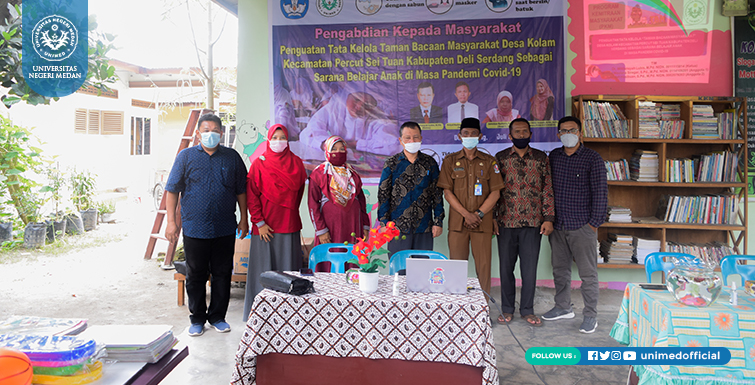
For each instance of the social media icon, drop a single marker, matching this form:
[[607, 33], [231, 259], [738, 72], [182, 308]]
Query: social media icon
[[604, 356], [615, 355], [630, 356], [592, 355]]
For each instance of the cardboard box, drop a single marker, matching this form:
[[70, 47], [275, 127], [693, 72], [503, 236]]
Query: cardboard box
[[241, 256]]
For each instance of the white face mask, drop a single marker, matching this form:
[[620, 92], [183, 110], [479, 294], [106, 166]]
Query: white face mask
[[470, 142], [413, 147], [569, 140], [278, 145]]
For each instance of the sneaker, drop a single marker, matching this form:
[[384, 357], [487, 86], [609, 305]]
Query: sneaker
[[557, 313], [196, 330], [589, 324], [221, 326]]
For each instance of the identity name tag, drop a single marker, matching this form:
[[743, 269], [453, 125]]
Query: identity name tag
[[478, 189]]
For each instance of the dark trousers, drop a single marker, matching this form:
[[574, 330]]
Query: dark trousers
[[523, 243], [413, 241], [208, 257], [579, 245]]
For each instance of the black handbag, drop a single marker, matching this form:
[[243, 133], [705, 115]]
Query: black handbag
[[286, 283]]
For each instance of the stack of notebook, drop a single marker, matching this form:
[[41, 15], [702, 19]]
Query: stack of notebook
[[133, 343]]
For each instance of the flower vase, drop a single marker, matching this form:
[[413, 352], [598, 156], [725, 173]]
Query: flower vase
[[368, 282]]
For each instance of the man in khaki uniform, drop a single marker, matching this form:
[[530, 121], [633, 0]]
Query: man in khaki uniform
[[471, 183]]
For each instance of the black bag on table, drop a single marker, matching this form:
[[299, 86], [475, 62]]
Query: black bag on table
[[286, 283]]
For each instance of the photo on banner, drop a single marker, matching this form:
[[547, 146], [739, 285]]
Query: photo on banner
[[359, 69]]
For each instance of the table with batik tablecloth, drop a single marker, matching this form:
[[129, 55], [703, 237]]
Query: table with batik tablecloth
[[339, 320], [653, 318]]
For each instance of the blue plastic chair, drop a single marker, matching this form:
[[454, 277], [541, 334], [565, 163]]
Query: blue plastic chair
[[335, 253], [654, 262], [398, 260], [730, 266]]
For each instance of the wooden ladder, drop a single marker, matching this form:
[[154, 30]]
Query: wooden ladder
[[188, 139]]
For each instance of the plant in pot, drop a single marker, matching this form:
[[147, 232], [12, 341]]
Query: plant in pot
[[106, 210], [35, 231], [56, 223], [82, 194], [367, 251]]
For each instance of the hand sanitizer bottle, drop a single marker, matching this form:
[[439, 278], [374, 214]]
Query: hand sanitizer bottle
[[395, 284], [733, 297]]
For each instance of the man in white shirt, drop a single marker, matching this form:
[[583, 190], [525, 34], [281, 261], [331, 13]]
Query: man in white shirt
[[462, 109], [358, 121], [426, 112]]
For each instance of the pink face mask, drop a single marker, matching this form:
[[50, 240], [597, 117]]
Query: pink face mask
[[337, 158]]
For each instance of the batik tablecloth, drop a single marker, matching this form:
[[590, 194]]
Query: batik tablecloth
[[653, 318], [339, 320]]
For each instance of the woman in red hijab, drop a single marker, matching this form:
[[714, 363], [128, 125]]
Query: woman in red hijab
[[274, 190], [541, 105], [337, 205]]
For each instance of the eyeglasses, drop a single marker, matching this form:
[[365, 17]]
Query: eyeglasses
[[570, 131]]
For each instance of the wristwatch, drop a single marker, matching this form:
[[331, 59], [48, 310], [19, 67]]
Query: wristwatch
[[480, 213]]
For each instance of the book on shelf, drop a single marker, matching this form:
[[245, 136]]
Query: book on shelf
[[643, 167], [618, 214], [617, 249], [618, 170], [680, 170], [660, 120], [704, 123], [718, 166], [727, 124], [604, 120], [712, 251], [643, 247], [697, 209]]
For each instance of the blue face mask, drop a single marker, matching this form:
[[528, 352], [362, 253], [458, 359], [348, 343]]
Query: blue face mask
[[470, 142], [210, 139]]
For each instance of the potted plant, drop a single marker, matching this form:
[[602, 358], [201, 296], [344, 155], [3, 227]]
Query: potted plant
[[56, 224], [367, 252], [82, 195], [35, 230], [106, 210]]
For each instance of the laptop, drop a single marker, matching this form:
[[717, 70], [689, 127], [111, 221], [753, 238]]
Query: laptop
[[436, 276]]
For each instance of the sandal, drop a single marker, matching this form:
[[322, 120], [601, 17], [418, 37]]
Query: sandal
[[505, 318], [533, 320]]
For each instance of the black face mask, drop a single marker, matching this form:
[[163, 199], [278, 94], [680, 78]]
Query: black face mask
[[521, 143]]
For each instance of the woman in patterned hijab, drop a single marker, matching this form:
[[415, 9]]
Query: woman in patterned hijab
[[337, 205]]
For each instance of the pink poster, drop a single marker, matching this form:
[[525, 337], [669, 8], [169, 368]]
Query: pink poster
[[639, 47]]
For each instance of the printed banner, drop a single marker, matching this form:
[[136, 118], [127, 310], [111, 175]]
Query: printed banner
[[744, 82], [360, 75], [55, 46], [649, 47]]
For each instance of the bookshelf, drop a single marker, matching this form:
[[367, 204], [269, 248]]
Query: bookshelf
[[643, 198]]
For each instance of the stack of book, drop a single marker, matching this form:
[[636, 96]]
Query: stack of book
[[680, 170], [134, 343], [704, 124], [604, 120], [713, 251], [618, 170], [708, 209], [649, 113], [643, 247], [617, 249], [671, 111], [644, 166], [727, 124], [618, 214]]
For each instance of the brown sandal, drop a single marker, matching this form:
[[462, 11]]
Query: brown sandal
[[533, 320], [505, 318]]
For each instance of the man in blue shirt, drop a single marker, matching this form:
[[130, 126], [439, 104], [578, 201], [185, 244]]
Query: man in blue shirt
[[408, 194], [211, 181], [581, 200]]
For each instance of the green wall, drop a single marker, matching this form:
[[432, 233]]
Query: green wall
[[253, 98]]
